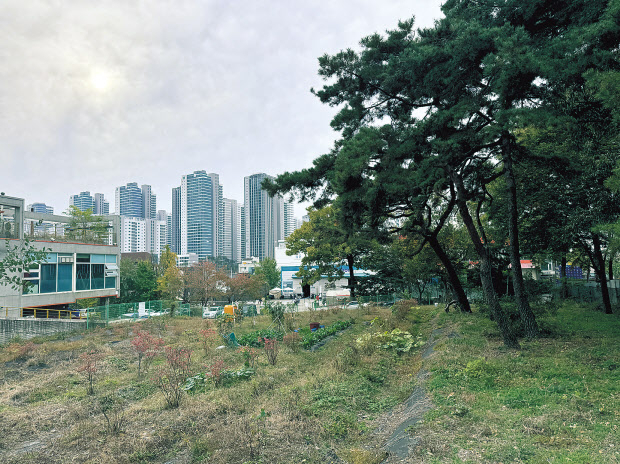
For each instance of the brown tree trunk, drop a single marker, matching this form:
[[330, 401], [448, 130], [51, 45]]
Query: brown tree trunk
[[598, 262], [351, 276], [455, 282], [610, 267], [527, 316], [563, 279], [510, 340]]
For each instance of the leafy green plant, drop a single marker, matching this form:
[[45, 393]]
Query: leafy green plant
[[397, 340], [312, 338], [256, 338]]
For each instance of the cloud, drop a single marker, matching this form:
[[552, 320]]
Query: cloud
[[215, 85]]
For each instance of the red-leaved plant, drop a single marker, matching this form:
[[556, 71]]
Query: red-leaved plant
[[89, 368], [214, 370], [271, 349], [208, 337], [147, 346]]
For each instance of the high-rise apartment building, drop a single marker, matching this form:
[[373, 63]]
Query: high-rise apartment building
[[264, 218], [231, 230], [101, 207], [290, 223], [133, 235], [175, 221], [197, 215], [40, 208], [83, 201], [242, 228], [149, 203], [128, 200]]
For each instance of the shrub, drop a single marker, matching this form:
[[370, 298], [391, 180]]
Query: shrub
[[89, 367], [250, 355], [214, 371], [292, 341], [113, 409], [271, 349], [147, 347], [172, 376], [208, 338]]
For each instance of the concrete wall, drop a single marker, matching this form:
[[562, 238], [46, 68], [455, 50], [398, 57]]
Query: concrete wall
[[29, 328]]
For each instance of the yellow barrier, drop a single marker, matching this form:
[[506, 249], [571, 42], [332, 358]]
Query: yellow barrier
[[56, 313]]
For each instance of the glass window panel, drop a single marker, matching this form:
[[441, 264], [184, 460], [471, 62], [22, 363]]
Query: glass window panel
[[65, 277], [111, 259], [51, 258], [82, 276], [48, 278], [97, 259], [82, 258], [110, 282], [31, 287], [97, 274]]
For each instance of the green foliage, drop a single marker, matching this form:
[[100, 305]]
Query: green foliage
[[256, 338], [309, 339], [269, 271], [397, 340], [85, 227], [19, 258], [138, 281], [199, 383]]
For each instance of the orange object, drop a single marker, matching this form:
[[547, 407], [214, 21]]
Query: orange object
[[229, 309]]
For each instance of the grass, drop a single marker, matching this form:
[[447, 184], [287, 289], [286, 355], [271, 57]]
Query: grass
[[314, 403], [556, 400]]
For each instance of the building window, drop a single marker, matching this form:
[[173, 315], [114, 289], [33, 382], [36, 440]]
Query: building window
[[48, 278], [65, 277], [82, 276]]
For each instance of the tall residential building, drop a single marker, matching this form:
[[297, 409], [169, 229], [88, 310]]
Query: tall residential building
[[242, 228], [133, 235], [290, 222], [231, 230], [84, 201], [30, 226], [128, 201], [175, 221], [40, 208], [197, 215], [264, 218], [149, 203], [101, 205]]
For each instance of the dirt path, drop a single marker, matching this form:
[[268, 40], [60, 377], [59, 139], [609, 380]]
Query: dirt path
[[393, 428]]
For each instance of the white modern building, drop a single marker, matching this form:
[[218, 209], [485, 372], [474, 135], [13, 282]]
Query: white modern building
[[232, 230], [70, 271]]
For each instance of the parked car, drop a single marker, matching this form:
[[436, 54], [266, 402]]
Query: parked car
[[211, 312], [352, 305]]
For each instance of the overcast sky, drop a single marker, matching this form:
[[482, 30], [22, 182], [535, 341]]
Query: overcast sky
[[94, 95]]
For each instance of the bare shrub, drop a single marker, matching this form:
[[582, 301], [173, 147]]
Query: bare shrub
[[173, 374], [271, 350], [113, 409]]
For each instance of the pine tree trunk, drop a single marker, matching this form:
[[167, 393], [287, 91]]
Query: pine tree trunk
[[510, 340], [351, 276], [527, 316], [599, 268], [455, 282], [610, 267], [563, 278]]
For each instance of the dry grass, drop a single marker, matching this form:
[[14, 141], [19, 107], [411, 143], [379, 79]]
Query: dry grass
[[47, 417]]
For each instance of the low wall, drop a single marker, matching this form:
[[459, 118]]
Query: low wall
[[26, 328]]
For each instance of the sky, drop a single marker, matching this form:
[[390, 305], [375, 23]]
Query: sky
[[94, 95]]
